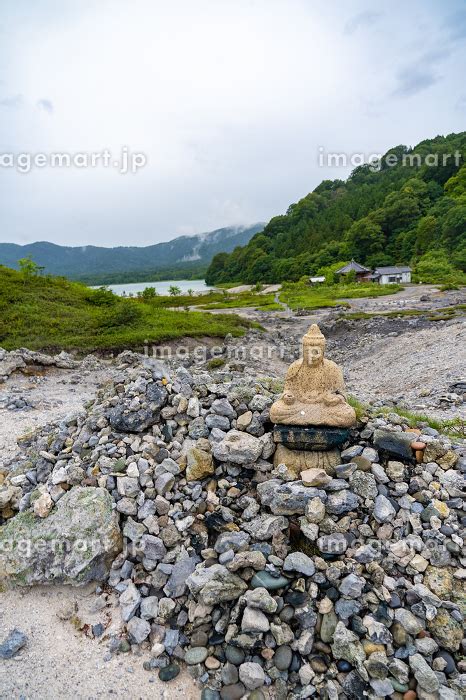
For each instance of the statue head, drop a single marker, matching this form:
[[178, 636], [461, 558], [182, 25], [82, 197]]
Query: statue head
[[313, 346]]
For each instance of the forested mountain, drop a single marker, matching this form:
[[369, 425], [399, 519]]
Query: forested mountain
[[414, 202], [185, 255]]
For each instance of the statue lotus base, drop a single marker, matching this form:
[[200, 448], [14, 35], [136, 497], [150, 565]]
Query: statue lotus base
[[308, 447], [298, 461]]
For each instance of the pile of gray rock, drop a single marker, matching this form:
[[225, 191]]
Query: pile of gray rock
[[347, 585], [19, 359], [15, 401]]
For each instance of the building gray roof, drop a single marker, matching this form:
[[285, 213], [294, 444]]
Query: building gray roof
[[353, 265], [391, 270]]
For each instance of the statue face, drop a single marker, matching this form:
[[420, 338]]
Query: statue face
[[313, 354]]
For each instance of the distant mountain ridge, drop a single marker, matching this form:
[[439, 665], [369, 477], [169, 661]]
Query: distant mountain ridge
[[185, 255]]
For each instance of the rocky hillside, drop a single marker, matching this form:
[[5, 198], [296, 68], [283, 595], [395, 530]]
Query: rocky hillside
[[342, 585]]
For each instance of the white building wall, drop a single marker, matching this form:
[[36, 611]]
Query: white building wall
[[388, 279]]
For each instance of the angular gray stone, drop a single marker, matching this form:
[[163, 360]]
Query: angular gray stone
[[152, 547], [287, 499], [223, 407], [363, 484], [300, 562], [164, 483], [125, 420], [238, 447], [265, 526], [423, 673], [351, 452], [254, 621], [408, 621], [260, 599], [138, 629], [395, 443], [335, 543], [341, 502], [383, 509], [215, 421], [252, 675], [231, 540], [346, 645], [351, 586], [149, 607], [176, 584], [12, 644], [215, 584], [129, 601]]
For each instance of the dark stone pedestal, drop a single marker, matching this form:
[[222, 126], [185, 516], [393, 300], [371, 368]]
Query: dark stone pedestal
[[313, 439]]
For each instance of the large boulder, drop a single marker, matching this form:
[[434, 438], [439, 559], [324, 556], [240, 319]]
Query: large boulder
[[75, 544]]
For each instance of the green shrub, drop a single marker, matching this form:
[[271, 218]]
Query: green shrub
[[215, 363], [101, 297], [125, 314]]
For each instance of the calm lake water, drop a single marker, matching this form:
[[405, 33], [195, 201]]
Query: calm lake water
[[161, 287]]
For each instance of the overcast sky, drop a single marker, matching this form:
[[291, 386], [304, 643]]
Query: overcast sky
[[229, 100]]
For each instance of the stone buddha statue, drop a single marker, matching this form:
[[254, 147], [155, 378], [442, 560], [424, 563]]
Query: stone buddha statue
[[314, 390]]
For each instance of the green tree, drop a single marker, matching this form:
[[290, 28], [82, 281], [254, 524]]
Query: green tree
[[365, 238], [454, 227], [217, 268], [459, 257], [435, 266], [149, 293], [174, 291], [427, 231], [29, 268], [329, 272], [455, 187]]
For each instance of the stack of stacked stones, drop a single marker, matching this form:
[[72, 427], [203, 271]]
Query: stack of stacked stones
[[340, 581]]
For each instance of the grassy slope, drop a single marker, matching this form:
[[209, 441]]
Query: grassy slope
[[301, 296], [52, 313], [219, 300]]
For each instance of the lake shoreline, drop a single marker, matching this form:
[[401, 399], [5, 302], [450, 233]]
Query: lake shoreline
[[162, 287]]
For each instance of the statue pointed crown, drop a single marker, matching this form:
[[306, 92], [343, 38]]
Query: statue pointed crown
[[314, 336]]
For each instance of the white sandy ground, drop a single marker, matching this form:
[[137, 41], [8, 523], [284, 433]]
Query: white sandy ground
[[60, 662], [411, 364]]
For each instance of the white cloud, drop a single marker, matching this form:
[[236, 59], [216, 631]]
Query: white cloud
[[229, 101]]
